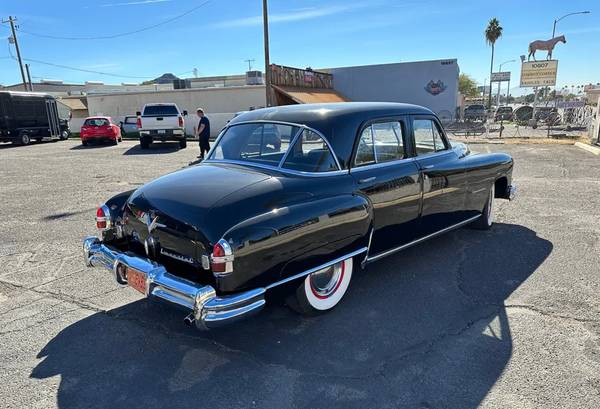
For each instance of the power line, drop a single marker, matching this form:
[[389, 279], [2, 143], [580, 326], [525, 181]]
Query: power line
[[127, 33], [76, 68]]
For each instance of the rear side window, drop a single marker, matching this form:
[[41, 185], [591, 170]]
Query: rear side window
[[160, 110], [310, 153], [380, 142], [96, 122], [427, 137]]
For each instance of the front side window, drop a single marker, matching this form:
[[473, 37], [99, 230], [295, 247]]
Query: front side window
[[380, 142], [264, 143], [310, 153], [427, 137]]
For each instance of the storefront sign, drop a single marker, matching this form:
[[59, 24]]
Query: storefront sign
[[539, 73]]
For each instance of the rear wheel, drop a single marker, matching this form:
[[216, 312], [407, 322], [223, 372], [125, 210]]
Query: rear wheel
[[64, 134], [144, 142], [183, 144], [23, 139], [323, 289], [84, 142], [486, 219]]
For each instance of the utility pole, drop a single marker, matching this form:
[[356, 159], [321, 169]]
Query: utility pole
[[249, 64], [28, 77], [267, 63], [14, 36]]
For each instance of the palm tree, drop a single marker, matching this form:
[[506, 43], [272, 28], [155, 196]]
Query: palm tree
[[492, 32]]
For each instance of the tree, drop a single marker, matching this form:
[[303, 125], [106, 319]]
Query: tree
[[492, 32], [467, 86]]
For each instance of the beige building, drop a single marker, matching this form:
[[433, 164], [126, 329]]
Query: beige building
[[219, 103]]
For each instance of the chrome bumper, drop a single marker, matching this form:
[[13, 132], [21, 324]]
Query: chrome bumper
[[207, 310]]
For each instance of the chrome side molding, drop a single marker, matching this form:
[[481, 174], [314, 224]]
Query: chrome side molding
[[420, 240]]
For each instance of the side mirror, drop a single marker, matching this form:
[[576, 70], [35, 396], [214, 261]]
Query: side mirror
[[138, 113], [185, 112]]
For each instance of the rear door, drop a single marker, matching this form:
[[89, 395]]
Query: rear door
[[384, 172], [442, 176]]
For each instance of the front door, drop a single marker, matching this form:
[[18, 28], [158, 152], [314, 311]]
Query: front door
[[441, 174], [385, 173]]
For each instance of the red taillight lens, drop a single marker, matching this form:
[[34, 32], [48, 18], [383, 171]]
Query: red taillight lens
[[102, 217], [139, 123], [181, 122], [222, 258]]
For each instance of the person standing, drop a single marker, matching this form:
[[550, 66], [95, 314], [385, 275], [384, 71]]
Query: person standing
[[203, 132]]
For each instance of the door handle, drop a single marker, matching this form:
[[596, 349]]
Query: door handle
[[429, 167], [367, 180]]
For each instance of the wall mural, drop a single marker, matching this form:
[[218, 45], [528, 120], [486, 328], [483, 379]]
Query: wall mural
[[435, 87]]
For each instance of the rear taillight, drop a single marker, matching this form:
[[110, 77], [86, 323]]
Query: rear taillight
[[103, 218], [181, 122], [221, 260], [139, 122]]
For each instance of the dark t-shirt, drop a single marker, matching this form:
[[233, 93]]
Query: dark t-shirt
[[206, 131]]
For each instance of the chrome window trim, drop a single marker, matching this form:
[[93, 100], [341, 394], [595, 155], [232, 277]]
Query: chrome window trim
[[381, 165], [435, 154], [312, 270], [279, 167]]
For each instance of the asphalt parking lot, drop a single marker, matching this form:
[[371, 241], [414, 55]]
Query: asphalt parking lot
[[507, 318]]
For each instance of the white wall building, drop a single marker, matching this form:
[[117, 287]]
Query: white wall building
[[432, 84], [219, 104]]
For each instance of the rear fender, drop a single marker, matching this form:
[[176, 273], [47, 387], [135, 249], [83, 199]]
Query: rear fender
[[287, 241]]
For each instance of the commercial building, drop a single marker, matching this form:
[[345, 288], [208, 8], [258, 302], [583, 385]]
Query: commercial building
[[432, 84]]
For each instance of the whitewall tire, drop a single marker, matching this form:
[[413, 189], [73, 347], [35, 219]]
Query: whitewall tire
[[323, 289], [486, 220]]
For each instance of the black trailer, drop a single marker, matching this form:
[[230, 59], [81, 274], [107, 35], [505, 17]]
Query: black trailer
[[27, 116]]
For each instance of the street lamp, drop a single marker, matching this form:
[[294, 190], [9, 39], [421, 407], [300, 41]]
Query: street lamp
[[507, 94], [566, 15]]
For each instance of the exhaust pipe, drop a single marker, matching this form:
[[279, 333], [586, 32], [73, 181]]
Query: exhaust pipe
[[189, 320]]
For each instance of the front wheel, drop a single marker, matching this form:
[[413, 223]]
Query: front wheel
[[323, 289], [23, 139], [486, 219]]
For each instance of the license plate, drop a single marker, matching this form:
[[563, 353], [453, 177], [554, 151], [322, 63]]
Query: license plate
[[136, 280], [161, 131]]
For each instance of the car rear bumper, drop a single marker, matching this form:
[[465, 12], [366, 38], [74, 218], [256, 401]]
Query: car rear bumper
[[163, 133], [98, 137], [206, 309]]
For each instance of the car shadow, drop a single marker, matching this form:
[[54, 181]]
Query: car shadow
[[424, 328], [92, 145], [153, 149]]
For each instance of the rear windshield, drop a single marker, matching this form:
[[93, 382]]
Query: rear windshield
[[160, 110], [475, 108], [96, 122]]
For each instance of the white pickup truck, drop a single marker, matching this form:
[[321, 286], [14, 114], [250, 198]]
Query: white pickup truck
[[162, 122]]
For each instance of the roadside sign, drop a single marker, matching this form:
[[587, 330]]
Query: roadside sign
[[501, 76], [538, 73]]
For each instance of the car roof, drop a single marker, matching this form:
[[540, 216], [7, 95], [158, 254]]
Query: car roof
[[97, 117], [338, 122]]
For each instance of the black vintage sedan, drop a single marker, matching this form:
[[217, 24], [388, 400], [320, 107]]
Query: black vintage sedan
[[294, 199]]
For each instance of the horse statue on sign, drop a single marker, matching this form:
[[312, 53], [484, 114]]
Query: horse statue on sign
[[547, 45]]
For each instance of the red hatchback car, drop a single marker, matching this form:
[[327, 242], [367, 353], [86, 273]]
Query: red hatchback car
[[100, 128]]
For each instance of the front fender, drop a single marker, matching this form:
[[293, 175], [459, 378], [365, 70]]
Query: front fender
[[286, 241]]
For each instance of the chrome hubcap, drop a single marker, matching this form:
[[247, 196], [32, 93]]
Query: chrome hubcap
[[325, 282]]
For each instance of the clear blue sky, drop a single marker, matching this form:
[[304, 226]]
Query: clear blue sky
[[219, 36]]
